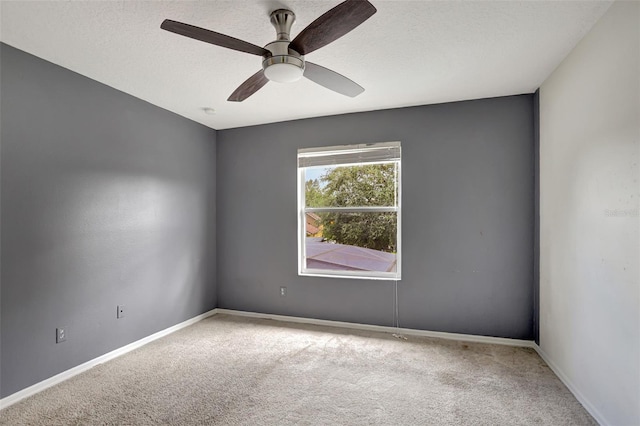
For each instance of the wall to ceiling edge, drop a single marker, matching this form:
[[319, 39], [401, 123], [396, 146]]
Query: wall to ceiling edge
[[106, 200], [467, 219]]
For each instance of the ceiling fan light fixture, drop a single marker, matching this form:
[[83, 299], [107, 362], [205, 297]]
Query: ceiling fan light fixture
[[283, 73], [283, 68]]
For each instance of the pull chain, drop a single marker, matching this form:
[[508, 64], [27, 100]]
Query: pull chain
[[396, 314]]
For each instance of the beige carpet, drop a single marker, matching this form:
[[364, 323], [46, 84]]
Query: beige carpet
[[230, 370]]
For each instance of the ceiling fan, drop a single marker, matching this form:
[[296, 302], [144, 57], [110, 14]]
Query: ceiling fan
[[283, 60]]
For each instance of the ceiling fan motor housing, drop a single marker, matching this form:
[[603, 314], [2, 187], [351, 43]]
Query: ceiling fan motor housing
[[284, 65]]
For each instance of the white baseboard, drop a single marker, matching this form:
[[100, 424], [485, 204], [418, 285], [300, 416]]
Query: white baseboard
[[38, 387], [385, 329], [569, 384]]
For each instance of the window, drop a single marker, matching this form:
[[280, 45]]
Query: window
[[349, 211]]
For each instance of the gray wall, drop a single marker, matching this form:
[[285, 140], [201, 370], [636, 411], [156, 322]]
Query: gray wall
[[468, 219], [106, 200]]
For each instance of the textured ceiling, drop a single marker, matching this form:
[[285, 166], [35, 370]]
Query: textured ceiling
[[409, 53]]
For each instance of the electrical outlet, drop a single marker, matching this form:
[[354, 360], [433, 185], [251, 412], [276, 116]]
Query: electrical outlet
[[61, 335], [283, 291], [120, 312]]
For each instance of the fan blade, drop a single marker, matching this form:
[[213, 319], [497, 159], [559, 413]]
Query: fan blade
[[332, 25], [213, 37], [249, 87], [331, 80]]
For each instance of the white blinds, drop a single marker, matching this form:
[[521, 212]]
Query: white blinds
[[349, 154]]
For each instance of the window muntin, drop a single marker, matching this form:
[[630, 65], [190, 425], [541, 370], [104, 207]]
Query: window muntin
[[349, 211]]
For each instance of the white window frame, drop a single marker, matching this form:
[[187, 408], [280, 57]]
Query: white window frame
[[375, 153]]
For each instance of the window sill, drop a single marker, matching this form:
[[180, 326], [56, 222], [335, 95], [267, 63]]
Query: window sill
[[357, 275]]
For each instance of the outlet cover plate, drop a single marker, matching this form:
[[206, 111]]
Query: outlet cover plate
[[61, 334], [120, 312]]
